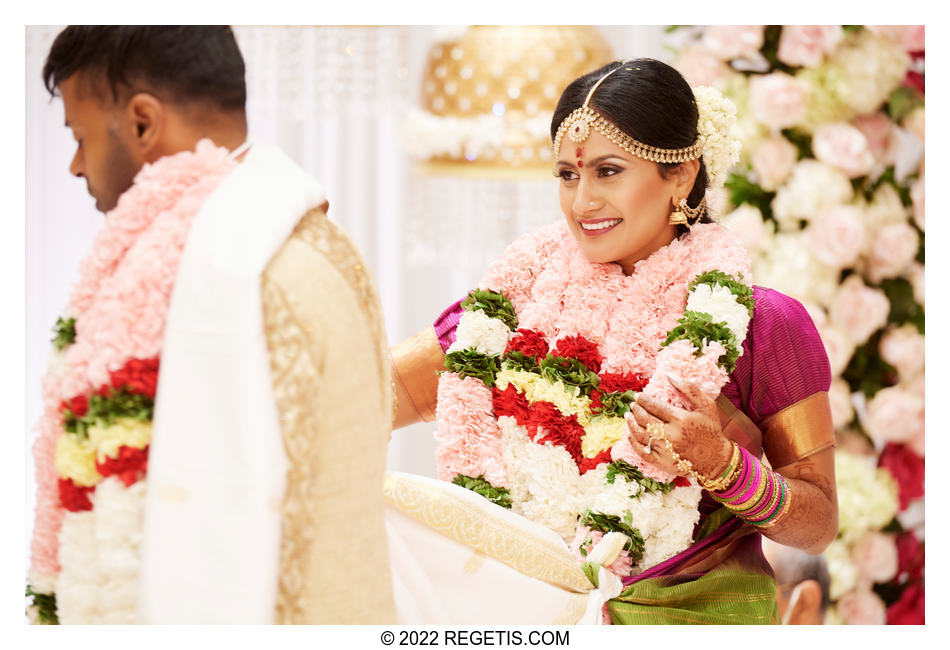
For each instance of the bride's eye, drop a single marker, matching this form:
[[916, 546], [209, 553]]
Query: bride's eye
[[608, 170], [567, 175]]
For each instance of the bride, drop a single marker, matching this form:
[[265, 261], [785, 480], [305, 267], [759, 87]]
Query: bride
[[628, 412]]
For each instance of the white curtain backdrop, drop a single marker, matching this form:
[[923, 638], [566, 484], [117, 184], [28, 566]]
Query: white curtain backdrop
[[333, 98]]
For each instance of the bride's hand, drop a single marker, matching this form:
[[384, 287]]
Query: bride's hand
[[696, 434]]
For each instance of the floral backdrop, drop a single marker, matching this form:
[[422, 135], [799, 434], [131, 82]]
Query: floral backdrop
[[829, 199]]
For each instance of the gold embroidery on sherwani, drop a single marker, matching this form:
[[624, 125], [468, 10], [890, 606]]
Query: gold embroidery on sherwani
[[330, 372], [486, 533]]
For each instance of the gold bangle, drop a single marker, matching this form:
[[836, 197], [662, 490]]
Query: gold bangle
[[725, 480], [784, 508], [773, 498], [751, 502]]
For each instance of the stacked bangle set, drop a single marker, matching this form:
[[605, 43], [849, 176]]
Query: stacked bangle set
[[759, 495]]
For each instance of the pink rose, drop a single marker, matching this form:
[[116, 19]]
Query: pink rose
[[700, 67], [903, 348], [917, 196], [746, 223], [835, 236], [807, 45], [734, 41], [875, 555], [862, 607], [877, 129], [773, 160], [894, 415], [894, 248], [844, 147], [858, 309], [838, 346], [777, 100], [839, 395], [911, 37]]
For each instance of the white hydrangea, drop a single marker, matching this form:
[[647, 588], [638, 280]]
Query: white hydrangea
[[721, 303], [478, 330], [841, 568], [812, 186], [867, 495], [717, 120]]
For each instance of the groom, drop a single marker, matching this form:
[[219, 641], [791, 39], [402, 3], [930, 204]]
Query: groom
[[217, 413]]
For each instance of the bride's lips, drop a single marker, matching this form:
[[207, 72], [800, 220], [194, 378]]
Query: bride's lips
[[597, 227]]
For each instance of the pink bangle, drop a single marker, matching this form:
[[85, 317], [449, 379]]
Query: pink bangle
[[754, 486], [742, 482]]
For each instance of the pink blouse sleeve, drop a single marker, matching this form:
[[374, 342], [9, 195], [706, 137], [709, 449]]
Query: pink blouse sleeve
[[783, 359]]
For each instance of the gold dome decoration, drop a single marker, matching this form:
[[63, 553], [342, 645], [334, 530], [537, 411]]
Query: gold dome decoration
[[505, 79]]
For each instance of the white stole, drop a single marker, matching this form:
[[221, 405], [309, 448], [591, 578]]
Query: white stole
[[216, 474]]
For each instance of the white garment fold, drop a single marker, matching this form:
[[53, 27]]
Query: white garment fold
[[217, 464]]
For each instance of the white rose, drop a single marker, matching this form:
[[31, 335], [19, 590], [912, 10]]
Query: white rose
[[777, 100], [894, 415], [733, 41], [917, 281], [862, 607], [836, 235], [903, 348], [895, 247], [839, 395], [478, 330], [773, 160], [812, 186], [844, 147], [905, 152], [858, 309]]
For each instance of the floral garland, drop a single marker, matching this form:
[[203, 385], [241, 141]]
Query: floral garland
[[99, 394], [536, 415]]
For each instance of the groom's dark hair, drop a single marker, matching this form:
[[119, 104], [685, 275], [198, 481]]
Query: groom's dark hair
[[182, 64]]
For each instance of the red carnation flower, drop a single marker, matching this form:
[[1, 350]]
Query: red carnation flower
[[681, 481], [75, 498], [137, 376], [577, 347], [595, 404], [512, 403], [910, 557], [588, 464], [548, 423], [617, 382], [78, 405], [528, 342], [130, 465], [908, 470], [909, 609]]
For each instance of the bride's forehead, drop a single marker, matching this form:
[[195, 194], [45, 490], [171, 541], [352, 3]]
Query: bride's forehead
[[594, 146]]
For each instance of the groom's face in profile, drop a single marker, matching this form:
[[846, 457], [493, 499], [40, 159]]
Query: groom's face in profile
[[102, 131]]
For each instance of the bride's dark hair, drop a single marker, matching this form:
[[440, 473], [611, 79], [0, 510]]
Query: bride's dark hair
[[649, 101]]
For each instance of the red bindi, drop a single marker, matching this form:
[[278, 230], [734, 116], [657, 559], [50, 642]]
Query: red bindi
[[579, 153]]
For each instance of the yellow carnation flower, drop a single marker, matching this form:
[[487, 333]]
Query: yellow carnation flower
[[541, 389], [602, 433], [124, 432], [76, 460]]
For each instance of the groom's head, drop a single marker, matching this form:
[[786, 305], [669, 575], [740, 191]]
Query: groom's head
[[133, 94]]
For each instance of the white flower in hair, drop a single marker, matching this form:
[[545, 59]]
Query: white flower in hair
[[717, 119]]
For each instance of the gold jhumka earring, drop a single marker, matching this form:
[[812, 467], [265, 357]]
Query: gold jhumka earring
[[687, 216]]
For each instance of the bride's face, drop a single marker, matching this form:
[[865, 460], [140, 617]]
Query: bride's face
[[616, 204]]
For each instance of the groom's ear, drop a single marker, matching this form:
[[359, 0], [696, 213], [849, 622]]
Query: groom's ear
[[146, 121]]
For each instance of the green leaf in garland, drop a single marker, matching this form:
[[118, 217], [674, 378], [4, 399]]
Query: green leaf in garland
[[570, 371], [65, 331], [742, 190], [472, 363], [616, 403], [633, 475], [516, 360], [45, 606], [105, 409], [494, 305], [498, 496], [698, 326], [613, 524], [741, 291]]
